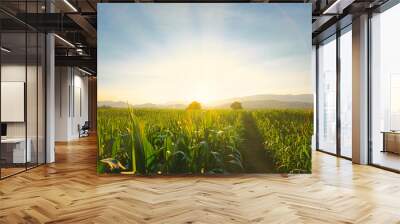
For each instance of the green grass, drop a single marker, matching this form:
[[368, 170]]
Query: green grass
[[167, 141]]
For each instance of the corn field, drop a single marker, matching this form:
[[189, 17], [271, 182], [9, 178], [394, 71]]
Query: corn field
[[287, 137], [169, 141]]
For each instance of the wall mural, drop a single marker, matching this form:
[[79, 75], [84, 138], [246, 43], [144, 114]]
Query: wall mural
[[204, 88]]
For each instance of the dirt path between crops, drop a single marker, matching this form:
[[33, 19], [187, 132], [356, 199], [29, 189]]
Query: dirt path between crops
[[255, 158]]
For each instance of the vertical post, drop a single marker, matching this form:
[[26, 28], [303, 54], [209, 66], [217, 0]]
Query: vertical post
[[316, 97], [369, 78], [26, 87], [338, 81], [50, 92], [37, 89], [360, 90], [0, 95]]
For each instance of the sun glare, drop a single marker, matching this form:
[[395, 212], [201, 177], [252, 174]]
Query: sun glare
[[204, 100], [207, 67], [203, 93]]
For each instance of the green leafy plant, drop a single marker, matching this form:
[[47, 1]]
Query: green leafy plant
[[287, 135], [168, 141], [171, 141]]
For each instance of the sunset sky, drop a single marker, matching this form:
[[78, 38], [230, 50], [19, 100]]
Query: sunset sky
[[169, 53]]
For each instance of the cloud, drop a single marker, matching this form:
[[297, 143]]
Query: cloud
[[164, 54], [206, 70]]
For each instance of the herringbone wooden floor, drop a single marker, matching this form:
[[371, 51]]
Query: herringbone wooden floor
[[69, 191]]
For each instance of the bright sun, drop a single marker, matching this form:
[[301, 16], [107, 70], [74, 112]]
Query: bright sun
[[203, 96]]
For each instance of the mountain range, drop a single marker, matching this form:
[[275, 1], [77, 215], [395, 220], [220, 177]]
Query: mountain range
[[266, 101]]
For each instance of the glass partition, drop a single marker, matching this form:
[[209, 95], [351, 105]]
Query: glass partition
[[22, 88], [13, 114], [41, 97], [31, 98]]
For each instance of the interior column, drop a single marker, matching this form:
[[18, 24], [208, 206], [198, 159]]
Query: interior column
[[50, 92], [360, 90]]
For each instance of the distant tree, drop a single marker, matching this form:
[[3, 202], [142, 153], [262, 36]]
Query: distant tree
[[236, 105], [194, 106]]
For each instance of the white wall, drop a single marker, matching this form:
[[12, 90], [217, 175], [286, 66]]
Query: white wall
[[13, 73], [71, 94], [13, 101], [62, 81], [33, 127], [80, 104]]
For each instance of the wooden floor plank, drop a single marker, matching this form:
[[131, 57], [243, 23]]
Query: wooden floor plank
[[70, 191]]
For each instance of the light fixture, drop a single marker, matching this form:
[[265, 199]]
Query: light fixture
[[84, 71], [70, 5], [337, 7], [5, 50], [65, 41], [79, 51], [326, 11]]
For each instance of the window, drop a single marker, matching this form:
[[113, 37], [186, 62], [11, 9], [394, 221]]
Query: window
[[395, 102], [346, 93], [327, 96], [385, 89]]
